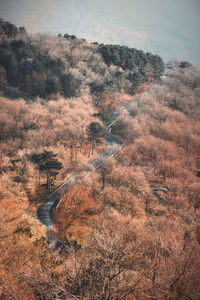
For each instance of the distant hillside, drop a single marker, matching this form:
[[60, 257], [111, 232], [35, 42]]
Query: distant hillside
[[43, 65], [8, 30]]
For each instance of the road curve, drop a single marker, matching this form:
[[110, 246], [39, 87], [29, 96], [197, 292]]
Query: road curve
[[45, 211]]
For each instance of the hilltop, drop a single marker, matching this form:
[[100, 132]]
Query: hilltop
[[44, 66], [131, 230]]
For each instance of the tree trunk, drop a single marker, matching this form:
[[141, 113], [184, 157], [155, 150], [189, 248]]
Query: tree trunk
[[89, 152], [75, 151], [48, 180], [93, 148], [72, 157]]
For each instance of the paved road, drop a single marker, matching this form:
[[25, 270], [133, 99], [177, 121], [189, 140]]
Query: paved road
[[45, 211]]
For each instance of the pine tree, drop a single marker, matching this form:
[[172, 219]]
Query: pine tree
[[47, 161]]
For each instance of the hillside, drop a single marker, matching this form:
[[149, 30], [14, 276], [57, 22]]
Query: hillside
[[130, 230], [46, 66]]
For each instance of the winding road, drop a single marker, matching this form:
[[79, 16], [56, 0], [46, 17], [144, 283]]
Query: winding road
[[45, 211]]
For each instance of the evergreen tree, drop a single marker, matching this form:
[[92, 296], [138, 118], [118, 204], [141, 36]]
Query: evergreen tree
[[47, 161], [95, 133]]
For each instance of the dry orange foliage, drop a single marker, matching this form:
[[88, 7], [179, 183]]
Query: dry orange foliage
[[75, 211], [137, 219]]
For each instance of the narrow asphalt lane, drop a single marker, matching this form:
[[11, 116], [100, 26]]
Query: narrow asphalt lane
[[45, 211]]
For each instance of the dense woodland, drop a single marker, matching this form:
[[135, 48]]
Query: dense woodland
[[45, 66], [131, 230]]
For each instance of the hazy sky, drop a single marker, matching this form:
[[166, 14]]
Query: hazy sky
[[170, 28]]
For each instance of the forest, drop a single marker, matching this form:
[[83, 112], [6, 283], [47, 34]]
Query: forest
[[130, 230], [45, 66]]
